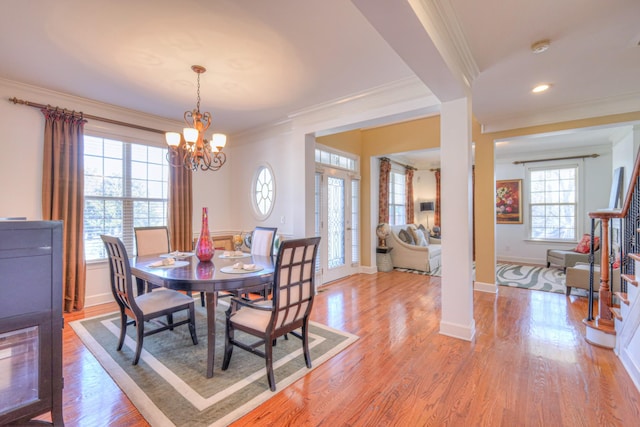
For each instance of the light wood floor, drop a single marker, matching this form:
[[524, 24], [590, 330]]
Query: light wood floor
[[528, 365]]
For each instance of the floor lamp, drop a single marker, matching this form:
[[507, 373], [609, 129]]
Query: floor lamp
[[427, 207]]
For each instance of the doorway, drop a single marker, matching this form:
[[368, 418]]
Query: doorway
[[338, 222]]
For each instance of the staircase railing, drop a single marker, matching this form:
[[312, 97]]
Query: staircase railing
[[628, 218]]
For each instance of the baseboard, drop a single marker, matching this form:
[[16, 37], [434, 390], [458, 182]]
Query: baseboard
[[525, 261], [491, 288], [454, 330], [98, 299], [367, 269], [631, 367]]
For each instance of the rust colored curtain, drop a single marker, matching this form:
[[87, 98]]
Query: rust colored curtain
[[436, 218], [409, 196], [180, 209], [63, 196], [383, 199]]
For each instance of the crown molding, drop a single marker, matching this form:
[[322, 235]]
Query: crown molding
[[409, 88], [443, 26], [87, 106], [401, 100]]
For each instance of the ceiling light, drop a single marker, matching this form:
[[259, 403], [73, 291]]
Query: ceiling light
[[190, 149], [540, 46], [541, 88]]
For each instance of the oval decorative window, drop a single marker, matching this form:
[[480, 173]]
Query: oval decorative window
[[263, 191]]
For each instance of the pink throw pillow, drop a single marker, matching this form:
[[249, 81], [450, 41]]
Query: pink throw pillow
[[585, 244]]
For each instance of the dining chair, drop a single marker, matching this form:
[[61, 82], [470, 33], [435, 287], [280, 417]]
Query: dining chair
[[263, 240], [262, 243], [154, 240], [146, 307], [288, 310]]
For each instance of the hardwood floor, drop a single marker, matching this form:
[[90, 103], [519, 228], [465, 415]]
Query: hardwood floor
[[528, 365]]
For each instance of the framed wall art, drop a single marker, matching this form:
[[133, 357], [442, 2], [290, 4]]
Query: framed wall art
[[509, 201]]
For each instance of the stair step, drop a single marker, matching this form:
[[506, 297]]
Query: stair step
[[616, 312], [630, 278], [634, 256], [622, 296]]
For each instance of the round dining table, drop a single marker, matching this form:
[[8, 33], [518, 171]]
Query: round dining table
[[210, 277]]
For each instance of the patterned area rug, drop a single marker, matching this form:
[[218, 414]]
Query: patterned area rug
[[521, 276], [531, 277], [169, 386]]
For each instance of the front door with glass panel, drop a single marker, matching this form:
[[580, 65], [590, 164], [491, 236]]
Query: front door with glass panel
[[338, 226]]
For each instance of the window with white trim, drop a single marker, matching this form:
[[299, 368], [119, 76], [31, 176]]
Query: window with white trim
[[264, 191], [553, 202], [330, 157], [125, 186], [397, 198]]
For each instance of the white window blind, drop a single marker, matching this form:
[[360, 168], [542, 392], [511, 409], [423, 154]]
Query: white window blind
[[553, 203], [125, 186], [397, 191]]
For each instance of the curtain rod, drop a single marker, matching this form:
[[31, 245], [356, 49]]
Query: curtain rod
[[518, 162], [399, 164], [88, 116]]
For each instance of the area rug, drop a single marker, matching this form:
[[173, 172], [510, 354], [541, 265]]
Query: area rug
[[169, 385], [521, 276], [531, 277]]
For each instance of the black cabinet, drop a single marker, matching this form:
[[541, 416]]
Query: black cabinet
[[30, 321]]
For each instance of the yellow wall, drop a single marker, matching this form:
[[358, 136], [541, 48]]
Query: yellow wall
[[351, 141], [406, 136]]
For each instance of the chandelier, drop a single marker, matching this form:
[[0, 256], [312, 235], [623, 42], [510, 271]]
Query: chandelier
[[190, 149]]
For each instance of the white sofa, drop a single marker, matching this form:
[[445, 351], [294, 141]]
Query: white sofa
[[404, 255]]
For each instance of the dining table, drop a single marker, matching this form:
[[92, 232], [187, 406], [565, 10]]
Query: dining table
[[187, 273]]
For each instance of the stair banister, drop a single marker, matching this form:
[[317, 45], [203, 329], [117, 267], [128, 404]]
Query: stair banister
[[601, 329]]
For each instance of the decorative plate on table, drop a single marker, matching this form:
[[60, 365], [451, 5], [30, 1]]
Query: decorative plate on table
[[174, 265], [178, 255], [233, 255], [230, 269]]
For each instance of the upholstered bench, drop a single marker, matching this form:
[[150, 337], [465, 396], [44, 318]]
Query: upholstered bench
[[578, 277], [569, 258]]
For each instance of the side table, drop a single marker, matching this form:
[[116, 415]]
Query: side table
[[383, 259]]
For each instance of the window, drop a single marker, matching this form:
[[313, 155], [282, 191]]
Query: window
[[397, 191], [125, 186], [264, 191], [553, 202], [329, 157]]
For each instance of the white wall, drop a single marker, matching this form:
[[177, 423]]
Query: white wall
[[511, 239], [274, 148], [21, 161], [623, 155], [424, 190]]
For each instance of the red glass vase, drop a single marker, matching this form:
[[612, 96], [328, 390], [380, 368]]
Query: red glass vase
[[204, 247]]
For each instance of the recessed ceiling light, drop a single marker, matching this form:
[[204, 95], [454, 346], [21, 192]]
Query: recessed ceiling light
[[541, 88], [540, 46]]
